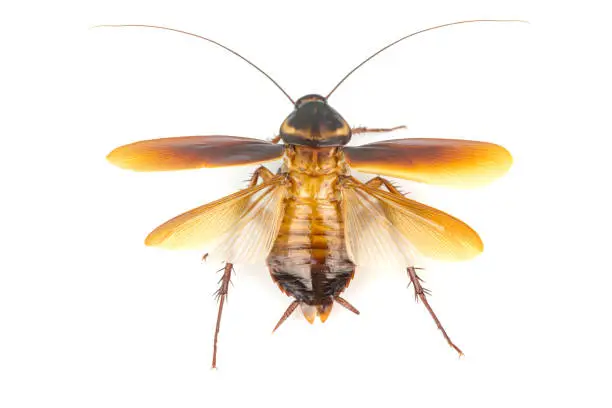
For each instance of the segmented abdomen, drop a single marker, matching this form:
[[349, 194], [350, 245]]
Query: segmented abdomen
[[309, 259]]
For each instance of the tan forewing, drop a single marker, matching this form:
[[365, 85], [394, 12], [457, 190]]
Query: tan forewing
[[249, 214], [193, 152], [449, 162]]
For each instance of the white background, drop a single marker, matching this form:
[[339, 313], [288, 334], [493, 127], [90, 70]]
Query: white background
[[89, 317]]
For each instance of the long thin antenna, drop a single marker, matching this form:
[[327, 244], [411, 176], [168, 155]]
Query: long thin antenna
[[413, 34], [207, 39]]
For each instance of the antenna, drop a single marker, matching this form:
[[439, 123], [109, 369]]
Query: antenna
[[207, 39], [413, 34]]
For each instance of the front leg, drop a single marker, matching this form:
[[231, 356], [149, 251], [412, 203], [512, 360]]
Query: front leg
[[419, 291], [363, 129]]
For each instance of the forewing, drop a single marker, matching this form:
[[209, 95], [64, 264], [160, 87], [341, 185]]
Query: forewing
[[193, 152], [449, 162], [243, 225]]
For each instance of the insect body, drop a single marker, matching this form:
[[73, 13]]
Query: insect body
[[312, 222], [309, 259]]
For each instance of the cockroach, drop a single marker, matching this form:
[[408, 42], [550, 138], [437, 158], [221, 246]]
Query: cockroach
[[311, 221]]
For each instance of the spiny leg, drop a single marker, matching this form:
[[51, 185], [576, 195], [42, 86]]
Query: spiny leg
[[363, 129], [378, 182], [419, 291], [261, 172], [221, 295]]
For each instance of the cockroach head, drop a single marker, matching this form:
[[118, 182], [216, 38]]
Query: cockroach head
[[316, 124]]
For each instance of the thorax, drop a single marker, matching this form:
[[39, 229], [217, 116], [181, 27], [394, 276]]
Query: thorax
[[314, 172]]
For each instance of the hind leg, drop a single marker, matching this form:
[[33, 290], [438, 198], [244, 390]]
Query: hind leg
[[419, 291], [221, 296], [264, 174]]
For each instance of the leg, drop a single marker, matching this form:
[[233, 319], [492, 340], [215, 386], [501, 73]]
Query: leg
[[261, 173], [275, 139], [377, 182], [221, 295], [419, 291], [363, 129]]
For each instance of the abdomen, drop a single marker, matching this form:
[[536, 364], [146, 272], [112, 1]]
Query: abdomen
[[309, 260]]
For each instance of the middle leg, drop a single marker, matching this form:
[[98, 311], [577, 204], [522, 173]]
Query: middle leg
[[262, 173], [378, 182]]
